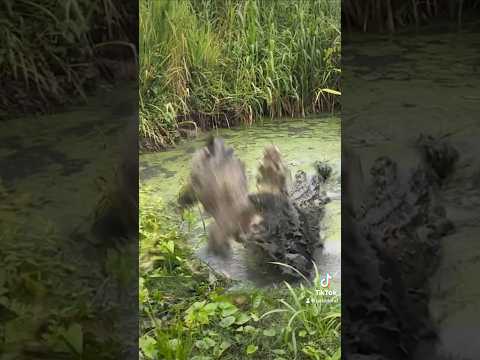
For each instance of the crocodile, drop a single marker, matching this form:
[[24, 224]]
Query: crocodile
[[281, 220], [393, 236]]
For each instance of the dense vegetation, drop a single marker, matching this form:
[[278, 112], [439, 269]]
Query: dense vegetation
[[390, 15], [216, 63], [54, 304], [188, 312], [52, 51]]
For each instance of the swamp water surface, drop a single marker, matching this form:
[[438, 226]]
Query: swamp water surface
[[301, 142], [49, 164], [437, 81], [50, 169]]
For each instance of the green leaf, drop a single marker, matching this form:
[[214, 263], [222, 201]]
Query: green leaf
[[230, 310], [202, 345], [74, 337], [211, 307], [212, 333], [242, 318], [269, 332], [223, 347], [197, 305], [257, 301], [251, 349], [254, 317], [196, 314], [302, 333], [224, 305], [147, 345], [210, 342], [337, 355], [174, 343], [249, 329], [202, 317], [226, 322], [331, 91]]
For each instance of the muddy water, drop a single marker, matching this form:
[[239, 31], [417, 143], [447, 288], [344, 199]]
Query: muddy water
[[50, 167], [49, 164], [301, 141], [433, 83]]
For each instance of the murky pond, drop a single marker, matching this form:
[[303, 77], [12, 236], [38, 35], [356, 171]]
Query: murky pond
[[437, 84], [50, 170], [301, 141], [49, 164]]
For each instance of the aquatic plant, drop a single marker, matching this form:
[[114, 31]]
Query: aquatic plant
[[211, 64], [190, 312], [43, 312]]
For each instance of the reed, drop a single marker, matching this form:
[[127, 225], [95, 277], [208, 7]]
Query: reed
[[391, 15], [217, 63], [49, 48]]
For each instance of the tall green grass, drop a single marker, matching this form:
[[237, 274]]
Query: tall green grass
[[216, 63], [49, 48]]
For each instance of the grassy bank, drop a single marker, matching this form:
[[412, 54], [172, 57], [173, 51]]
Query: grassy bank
[[187, 311], [54, 304], [52, 52], [217, 63]]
